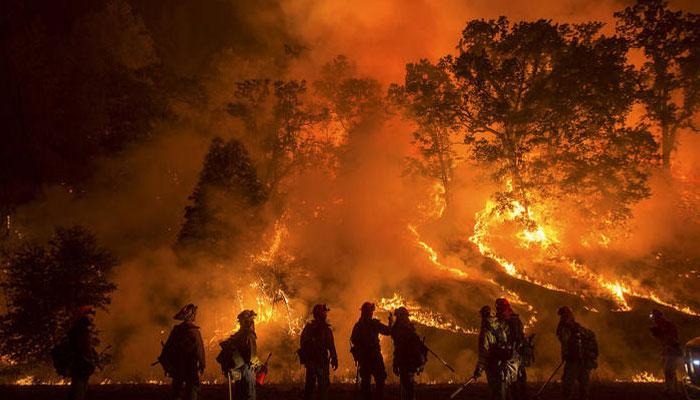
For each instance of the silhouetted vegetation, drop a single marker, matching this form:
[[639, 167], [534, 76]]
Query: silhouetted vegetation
[[46, 285]]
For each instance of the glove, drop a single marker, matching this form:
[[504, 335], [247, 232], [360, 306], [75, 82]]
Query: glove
[[391, 319], [396, 370], [477, 373], [334, 364]]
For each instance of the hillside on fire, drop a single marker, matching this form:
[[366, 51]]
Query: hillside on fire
[[276, 155]]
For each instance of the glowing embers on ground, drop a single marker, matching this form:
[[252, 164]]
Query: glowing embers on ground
[[423, 316], [642, 377], [33, 380]]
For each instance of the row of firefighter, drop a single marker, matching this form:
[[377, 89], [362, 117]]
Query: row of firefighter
[[504, 353]]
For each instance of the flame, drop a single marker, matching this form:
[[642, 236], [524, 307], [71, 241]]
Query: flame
[[435, 207], [537, 235], [433, 255], [490, 214], [422, 316], [272, 305], [269, 255], [642, 377], [33, 380]]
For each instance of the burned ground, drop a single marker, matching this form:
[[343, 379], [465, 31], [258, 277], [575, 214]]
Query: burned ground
[[600, 391]]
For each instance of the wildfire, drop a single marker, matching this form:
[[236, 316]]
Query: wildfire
[[537, 234], [422, 316], [435, 208], [433, 255], [642, 377], [268, 256], [490, 214], [33, 380]]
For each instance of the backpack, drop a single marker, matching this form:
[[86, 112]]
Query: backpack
[[229, 358], [583, 346], [63, 358], [175, 348], [418, 353], [312, 348]]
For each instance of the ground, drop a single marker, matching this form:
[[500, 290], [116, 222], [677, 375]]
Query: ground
[[600, 391]]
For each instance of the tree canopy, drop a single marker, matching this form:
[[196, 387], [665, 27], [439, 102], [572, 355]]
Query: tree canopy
[[46, 285], [669, 77], [544, 107], [225, 203]]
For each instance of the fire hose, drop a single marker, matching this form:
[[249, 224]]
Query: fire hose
[[539, 392], [459, 389], [448, 366]]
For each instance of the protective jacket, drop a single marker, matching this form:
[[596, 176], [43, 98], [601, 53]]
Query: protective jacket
[[578, 345], [410, 354], [183, 353], [667, 334], [240, 348], [81, 341], [317, 345], [365, 338]]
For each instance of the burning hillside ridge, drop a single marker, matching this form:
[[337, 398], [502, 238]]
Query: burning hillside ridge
[[516, 166]]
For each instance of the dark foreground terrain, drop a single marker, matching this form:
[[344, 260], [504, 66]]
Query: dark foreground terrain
[[600, 391]]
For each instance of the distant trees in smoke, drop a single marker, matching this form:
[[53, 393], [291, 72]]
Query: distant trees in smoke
[[669, 78], [224, 206], [286, 130], [45, 285], [431, 98]]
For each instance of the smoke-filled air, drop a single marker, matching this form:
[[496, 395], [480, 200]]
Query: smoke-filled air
[[274, 155]]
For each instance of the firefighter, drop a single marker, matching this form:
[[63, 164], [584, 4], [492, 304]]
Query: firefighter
[[82, 341], [493, 356], [666, 333], [367, 352], [182, 356], [317, 353], [516, 342], [238, 356], [579, 353], [410, 354]]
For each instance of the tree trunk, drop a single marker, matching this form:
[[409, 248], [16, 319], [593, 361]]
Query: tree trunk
[[666, 147]]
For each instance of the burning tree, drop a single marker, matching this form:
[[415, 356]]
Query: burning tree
[[669, 79], [545, 106], [46, 285]]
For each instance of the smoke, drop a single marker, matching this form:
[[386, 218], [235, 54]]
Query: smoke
[[346, 236]]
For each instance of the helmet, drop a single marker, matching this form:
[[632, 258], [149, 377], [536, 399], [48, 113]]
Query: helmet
[[186, 313], [246, 315], [367, 307], [401, 312], [485, 312], [85, 311], [319, 310], [564, 310], [502, 302]]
